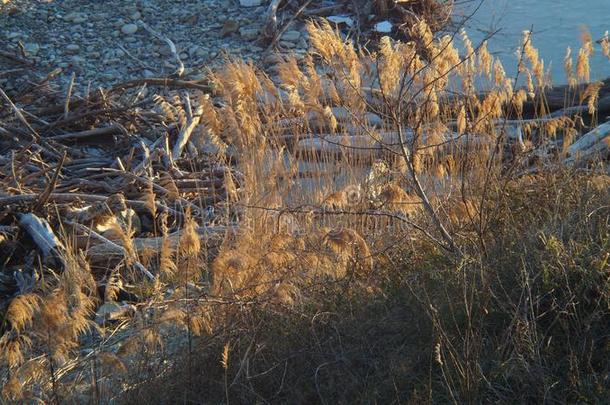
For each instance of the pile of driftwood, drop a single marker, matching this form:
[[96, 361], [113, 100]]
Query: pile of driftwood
[[364, 20], [87, 171]]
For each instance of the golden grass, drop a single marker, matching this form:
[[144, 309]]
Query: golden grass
[[310, 220]]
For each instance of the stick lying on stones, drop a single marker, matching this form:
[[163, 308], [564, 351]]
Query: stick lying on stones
[[170, 44]]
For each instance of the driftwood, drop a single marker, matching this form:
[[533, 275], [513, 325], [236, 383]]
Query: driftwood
[[377, 144], [590, 138], [595, 143], [186, 132], [270, 27], [74, 197], [209, 236], [120, 249], [41, 233]]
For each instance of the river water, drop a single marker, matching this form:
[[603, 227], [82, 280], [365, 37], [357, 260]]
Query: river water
[[556, 25]]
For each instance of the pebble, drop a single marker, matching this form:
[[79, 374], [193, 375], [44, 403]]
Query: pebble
[[76, 18], [250, 3], [84, 39], [129, 29], [272, 59], [229, 27], [79, 19], [249, 33], [201, 53], [291, 36], [72, 49], [289, 45], [384, 27], [32, 48]]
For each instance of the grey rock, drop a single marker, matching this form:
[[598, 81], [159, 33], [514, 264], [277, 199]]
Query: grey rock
[[76, 18], [201, 53], [72, 49], [250, 3], [32, 48], [129, 29], [288, 45], [249, 33], [291, 36]]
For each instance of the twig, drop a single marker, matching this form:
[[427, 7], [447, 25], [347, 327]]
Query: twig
[[19, 115], [44, 197], [68, 96], [112, 129], [170, 44], [278, 35], [141, 63], [163, 81]]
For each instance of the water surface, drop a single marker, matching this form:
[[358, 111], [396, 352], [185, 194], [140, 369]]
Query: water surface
[[556, 25]]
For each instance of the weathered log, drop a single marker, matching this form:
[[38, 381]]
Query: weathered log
[[595, 143], [118, 248], [589, 139], [380, 143], [105, 252]]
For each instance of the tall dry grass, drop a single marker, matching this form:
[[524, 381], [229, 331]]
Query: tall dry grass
[[401, 237]]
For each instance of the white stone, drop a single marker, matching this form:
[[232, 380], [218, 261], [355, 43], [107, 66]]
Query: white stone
[[129, 29], [384, 27], [341, 19]]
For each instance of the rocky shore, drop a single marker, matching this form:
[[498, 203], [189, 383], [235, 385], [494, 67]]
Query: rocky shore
[[106, 42]]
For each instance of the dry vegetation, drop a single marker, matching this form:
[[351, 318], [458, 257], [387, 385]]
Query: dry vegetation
[[405, 225]]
